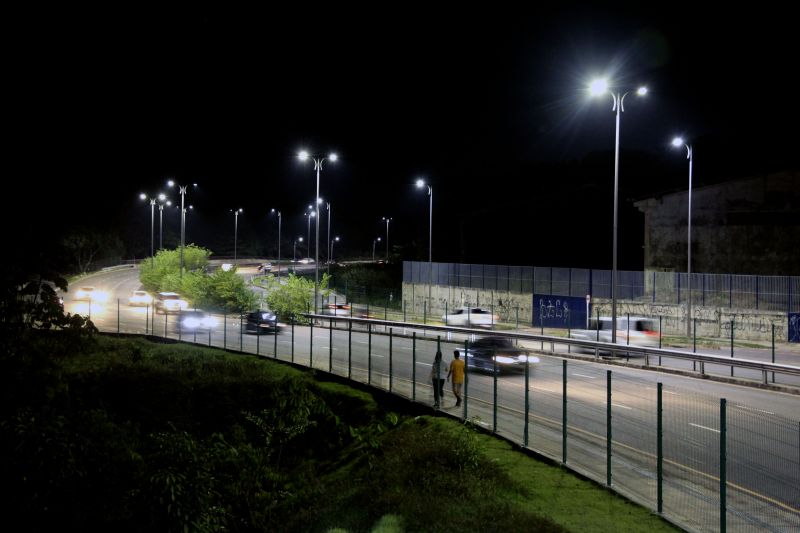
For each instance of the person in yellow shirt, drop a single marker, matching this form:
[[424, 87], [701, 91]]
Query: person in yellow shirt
[[456, 370]]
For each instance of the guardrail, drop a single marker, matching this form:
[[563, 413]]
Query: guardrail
[[614, 350]]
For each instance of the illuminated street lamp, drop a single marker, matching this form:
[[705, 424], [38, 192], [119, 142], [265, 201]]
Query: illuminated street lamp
[[273, 210], [310, 215], [598, 88], [303, 155], [235, 229], [162, 201], [294, 253], [375, 241], [420, 185], [387, 219], [182, 189], [153, 201], [330, 256], [677, 142]]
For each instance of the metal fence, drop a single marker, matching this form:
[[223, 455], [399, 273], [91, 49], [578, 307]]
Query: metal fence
[[767, 293], [704, 463]]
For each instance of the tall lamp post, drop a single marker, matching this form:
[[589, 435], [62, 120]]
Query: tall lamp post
[[387, 219], [153, 201], [328, 206], [273, 210], [161, 220], [420, 185], [294, 252], [597, 88], [182, 189], [309, 215], [677, 142], [235, 230], [303, 156], [330, 256], [374, 242]]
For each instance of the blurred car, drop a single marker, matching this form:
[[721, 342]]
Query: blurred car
[[470, 316], [306, 261], [640, 331], [170, 302], [138, 298], [260, 322], [265, 267], [336, 309], [485, 352], [91, 294], [195, 320]]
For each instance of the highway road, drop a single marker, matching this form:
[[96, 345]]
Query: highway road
[[763, 432]]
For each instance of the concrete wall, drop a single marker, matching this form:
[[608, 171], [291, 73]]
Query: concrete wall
[[712, 321]]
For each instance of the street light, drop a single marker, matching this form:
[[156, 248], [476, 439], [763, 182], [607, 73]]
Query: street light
[[387, 219], [235, 229], [421, 184], [273, 210], [143, 196], [310, 215], [330, 256], [328, 206], [182, 189], [162, 201], [303, 155], [677, 142], [294, 252], [598, 88], [377, 240]]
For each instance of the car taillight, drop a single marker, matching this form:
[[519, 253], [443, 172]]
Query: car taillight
[[650, 332]]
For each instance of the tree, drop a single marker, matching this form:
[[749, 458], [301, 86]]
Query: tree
[[293, 295], [85, 246]]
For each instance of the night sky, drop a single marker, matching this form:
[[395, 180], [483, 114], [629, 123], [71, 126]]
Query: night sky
[[488, 103]]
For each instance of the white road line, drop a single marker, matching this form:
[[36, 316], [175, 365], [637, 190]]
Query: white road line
[[622, 406], [703, 427], [585, 376]]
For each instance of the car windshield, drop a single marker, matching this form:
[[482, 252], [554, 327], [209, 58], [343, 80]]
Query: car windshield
[[170, 297]]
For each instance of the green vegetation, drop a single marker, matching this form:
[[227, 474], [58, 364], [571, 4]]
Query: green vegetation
[[292, 295], [221, 290], [379, 285], [128, 435]]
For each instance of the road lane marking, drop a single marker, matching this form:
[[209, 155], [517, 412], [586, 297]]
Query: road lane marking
[[584, 376], [704, 427], [622, 406]]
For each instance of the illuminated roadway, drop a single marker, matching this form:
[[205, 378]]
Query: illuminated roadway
[[763, 469]]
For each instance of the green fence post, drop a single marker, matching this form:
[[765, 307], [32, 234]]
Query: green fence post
[[413, 366], [147, 319], [292, 337], [258, 335], [494, 400], [424, 312], [224, 331], [180, 330], [369, 354], [608, 428], [390, 359], [723, 467], [330, 345], [117, 316], [166, 316], [660, 449], [349, 349], [564, 412], [466, 376], [241, 333], [732, 323], [311, 347], [527, 403], [275, 341], [773, 350]]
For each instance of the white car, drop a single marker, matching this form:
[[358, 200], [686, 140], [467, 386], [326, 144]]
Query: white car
[[138, 298], [337, 309], [170, 302], [196, 320], [91, 294], [640, 331], [470, 316]]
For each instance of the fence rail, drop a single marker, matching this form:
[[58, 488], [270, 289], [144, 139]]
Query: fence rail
[[767, 293]]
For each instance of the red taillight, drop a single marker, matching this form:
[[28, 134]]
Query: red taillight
[[651, 333]]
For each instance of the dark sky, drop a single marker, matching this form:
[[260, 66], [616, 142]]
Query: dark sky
[[488, 103]]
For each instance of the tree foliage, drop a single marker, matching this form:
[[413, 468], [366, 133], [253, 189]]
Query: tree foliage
[[85, 246], [292, 295]]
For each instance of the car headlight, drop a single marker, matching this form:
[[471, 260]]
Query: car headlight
[[209, 322], [503, 360], [191, 322]]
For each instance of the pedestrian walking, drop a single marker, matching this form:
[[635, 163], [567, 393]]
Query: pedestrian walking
[[438, 373], [456, 371]]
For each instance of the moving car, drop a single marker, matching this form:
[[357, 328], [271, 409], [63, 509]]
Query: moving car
[[170, 302], [195, 320], [470, 316], [336, 309], [640, 331], [265, 267], [138, 298], [485, 352], [91, 294], [260, 322]]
